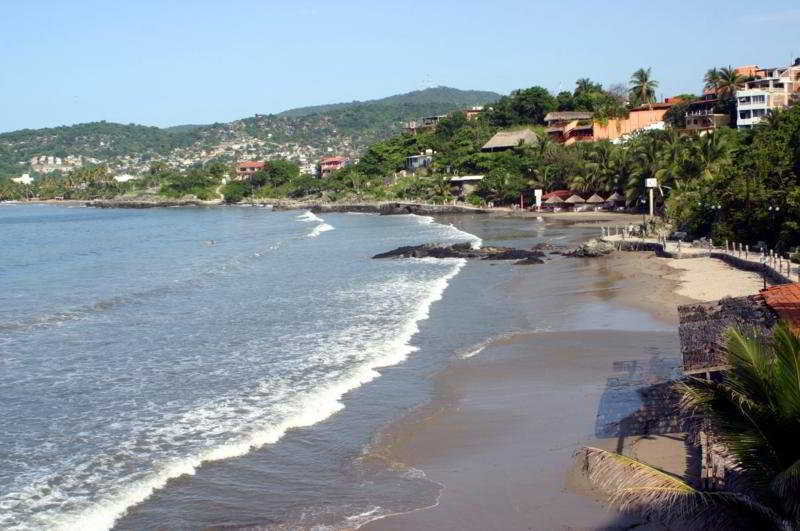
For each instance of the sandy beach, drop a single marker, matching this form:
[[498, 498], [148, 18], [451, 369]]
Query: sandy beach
[[501, 434]]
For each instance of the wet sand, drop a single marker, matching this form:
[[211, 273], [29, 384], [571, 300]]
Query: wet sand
[[501, 434]]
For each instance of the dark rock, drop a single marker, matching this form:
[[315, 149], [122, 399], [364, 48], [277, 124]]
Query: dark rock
[[529, 261], [461, 250], [591, 249], [547, 246]]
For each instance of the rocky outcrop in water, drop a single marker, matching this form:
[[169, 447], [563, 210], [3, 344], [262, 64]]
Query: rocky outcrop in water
[[591, 249], [464, 250]]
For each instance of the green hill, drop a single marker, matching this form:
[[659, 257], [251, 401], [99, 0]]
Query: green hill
[[307, 132], [436, 95]]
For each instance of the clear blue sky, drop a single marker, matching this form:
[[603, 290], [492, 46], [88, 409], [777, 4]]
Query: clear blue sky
[[174, 62]]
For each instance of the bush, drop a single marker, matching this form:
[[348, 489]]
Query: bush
[[475, 199], [235, 191]]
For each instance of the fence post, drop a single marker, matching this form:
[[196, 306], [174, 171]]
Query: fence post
[[746, 251]]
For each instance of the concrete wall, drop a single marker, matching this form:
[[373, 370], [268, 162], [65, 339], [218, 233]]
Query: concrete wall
[[636, 120]]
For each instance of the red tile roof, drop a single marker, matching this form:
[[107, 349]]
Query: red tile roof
[[252, 164], [785, 300], [332, 160], [563, 194]]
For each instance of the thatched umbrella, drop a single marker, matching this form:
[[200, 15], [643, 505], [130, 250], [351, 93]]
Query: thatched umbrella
[[595, 199], [553, 200], [575, 198], [615, 197]]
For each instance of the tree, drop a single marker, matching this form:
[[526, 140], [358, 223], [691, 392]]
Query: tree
[[584, 85], [643, 87], [527, 106], [711, 80], [729, 81], [276, 172], [755, 413], [565, 101]]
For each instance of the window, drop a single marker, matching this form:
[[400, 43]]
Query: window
[[757, 113], [744, 100], [744, 115], [759, 99]]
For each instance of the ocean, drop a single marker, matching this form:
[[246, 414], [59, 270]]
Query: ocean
[[137, 345], [230, 367]]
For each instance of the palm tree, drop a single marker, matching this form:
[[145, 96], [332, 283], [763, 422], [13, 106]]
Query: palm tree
[[729, 81], [711, 150], [755, 413], [646, 160], [642, 87], [711, 80]]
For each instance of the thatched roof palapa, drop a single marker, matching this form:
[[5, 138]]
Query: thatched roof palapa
[[554, 199], [575, 198], [595, 199], [616, 196], [510, 139]]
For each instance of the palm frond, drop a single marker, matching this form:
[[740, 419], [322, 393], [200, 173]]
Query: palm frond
[[636, 487]]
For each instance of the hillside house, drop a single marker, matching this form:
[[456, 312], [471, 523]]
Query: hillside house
[[465, 184], [415, 163], [568, 127], [244, 170], [329, 165], [510, 139], [701, 114], [427, 123], [639, 119], [776, 89], [473, 112], [25, 178]]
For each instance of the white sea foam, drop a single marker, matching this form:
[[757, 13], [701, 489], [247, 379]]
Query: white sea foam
[[319, 229], [309, 216], [450, 231], [218, 419], [424, 220], [477, 348]]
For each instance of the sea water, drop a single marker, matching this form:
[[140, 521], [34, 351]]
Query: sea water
[[139, 346]]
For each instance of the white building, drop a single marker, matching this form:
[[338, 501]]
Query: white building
[[25, 178], [760, 96]]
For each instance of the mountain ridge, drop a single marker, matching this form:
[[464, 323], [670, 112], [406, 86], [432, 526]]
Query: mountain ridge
[[303, 134]]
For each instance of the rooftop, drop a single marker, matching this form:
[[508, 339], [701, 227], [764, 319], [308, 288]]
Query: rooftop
[[785, 301], [466, 178], [509, 139], [568, 115], [252, 164]]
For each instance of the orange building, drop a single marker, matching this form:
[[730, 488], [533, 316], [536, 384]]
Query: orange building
[[249, 167], [638, 119], [329, 165]]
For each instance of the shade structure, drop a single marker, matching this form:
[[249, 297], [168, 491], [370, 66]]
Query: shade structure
[[554, 199], [575, 198], [616, 196], [595, 199]]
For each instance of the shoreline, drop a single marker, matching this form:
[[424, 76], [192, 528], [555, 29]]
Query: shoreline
[[375, 207], [479, 435]]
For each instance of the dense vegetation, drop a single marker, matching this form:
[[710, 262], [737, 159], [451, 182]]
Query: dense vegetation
[[740, 185], [353, 125]]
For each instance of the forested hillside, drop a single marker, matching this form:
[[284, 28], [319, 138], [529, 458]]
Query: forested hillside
[[301, 135]]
